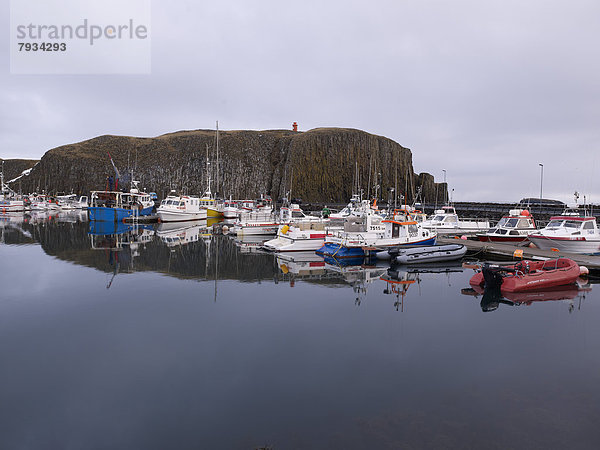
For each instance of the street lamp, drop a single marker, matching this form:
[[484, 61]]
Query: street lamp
[[541, 182], [445, 187]]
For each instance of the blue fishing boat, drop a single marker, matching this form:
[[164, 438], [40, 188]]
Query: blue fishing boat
[[114, 206]]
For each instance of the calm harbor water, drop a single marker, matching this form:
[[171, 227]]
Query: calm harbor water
[[168, 337]]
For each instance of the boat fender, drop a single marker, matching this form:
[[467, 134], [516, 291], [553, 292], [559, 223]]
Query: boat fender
[[583, 271], [285, 229]]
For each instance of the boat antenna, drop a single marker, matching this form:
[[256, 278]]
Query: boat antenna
[[217, 175], [396, 184], [291, 183], [208, 193], [369, 183]]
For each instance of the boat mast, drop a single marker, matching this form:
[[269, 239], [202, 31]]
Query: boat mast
[[208, 193], [217, 175]]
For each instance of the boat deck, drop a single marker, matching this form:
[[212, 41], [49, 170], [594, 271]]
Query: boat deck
[[507, 250]]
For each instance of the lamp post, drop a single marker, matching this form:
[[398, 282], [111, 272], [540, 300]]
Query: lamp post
[[541, 182], [445, 187]]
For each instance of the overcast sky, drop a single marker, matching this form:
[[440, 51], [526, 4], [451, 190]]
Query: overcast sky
[[485, 90]]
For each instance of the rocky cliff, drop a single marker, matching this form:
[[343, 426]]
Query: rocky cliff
[[316, 165]]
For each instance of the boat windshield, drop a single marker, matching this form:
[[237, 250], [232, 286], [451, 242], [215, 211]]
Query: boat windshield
[[572, 224], [554, 224], [437, 219], [508, 222], [524, 223]]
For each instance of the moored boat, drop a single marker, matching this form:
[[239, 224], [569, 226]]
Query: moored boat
[[446, 221], [527, 275], [10, 201], [369, 230], [425, 254], [569, 234], [299, 236], [180, 208], [114, 206], [514, 227]]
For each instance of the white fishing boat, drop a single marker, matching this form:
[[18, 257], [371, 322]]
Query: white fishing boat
[[370, 231], [300, 236], [262, 221], [10, 201], [425, 254], [569, 234], [231, 209], [350, 209], [256, 223], [181, 208], [514, 227], [43, 202], [446, 221], [72, 201]]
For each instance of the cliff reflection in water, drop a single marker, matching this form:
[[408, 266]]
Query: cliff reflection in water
[[183, 250]]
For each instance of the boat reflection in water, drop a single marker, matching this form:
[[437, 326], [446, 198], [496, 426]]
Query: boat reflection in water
[[302, 266], [123, 242], [72, 215], [358, 272], [251, 243], [174, 234], [492, 298], [400, 278], [11, 223]]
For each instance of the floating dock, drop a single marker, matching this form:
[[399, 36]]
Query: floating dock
[[507, 250]]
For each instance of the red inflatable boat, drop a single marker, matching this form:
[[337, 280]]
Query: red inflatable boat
[[527, 275]]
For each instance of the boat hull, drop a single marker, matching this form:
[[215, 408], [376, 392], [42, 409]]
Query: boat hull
[[173, 216], [103, 214], [7, 206], [567, 245], [428, 254], [256, 229], [500, 238], [213, 213], [284, 244]]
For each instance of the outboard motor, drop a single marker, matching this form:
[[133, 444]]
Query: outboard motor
[[492, 276]]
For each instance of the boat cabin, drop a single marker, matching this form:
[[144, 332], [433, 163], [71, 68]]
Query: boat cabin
[[573, 225]]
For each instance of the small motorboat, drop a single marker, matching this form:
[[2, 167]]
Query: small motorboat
[[425, 254], [570, 234], [527, 275], [446, 221], [514, 227]]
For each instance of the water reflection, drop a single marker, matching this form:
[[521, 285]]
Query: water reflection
[[191, 251], [399, 278], [222, 353], [174, 234], [573, 295]]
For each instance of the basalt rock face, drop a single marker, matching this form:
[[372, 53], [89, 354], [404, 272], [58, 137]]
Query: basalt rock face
[[319, 165]]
